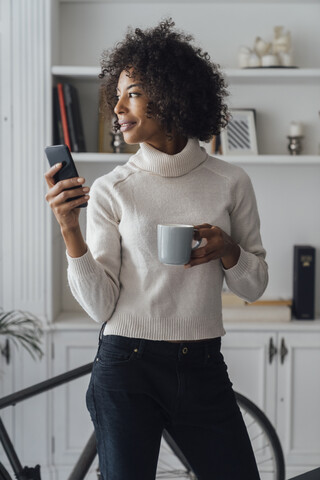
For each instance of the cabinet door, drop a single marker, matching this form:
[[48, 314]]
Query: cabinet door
[[251, 370], [298, 416], [72, 425]]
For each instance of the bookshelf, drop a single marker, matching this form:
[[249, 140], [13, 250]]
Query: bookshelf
[[285, 81], [278, 95]]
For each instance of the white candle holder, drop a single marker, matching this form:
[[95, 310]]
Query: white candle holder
[[295, 144]]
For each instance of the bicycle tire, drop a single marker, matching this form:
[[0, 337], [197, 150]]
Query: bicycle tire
[[268, 430], [173, 464]]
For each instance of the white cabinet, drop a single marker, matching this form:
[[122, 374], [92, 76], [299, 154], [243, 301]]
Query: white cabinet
[[298, 389], [278, 369], [72, 426], [252, 374]]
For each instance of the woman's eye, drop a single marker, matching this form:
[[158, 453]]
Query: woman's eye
[[134, 94]]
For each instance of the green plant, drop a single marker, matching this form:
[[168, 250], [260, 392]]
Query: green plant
[[22, 328]]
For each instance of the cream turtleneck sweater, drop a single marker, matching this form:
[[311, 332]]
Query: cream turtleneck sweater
[[119, 280]]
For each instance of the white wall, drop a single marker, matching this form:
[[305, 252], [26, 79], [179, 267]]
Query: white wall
[[219, 28]]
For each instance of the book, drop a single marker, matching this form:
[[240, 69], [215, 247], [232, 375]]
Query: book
[[287, 302], [63, 116], [70, 117], [257, 313], [74, 118], [57, 123], [229, 299], [77, 119]]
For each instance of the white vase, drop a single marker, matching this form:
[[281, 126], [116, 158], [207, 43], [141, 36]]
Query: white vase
[[270, 61], [254, 60]]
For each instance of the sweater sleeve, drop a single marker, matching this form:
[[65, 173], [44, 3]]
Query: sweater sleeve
[[94, 277], [249, 277]]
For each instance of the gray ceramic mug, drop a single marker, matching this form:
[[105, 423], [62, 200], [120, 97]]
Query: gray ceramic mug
[[175, 243]]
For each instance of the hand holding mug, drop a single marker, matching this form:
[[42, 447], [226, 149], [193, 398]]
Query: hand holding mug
[[218, 245]]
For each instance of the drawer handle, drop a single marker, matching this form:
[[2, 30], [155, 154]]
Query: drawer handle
[[283, 350], [272, 350]]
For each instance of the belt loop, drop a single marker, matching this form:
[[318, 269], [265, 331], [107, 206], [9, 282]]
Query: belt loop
[[141, 347]]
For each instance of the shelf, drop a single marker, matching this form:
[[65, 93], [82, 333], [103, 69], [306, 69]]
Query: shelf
[[275, 160], [232, 73], [101, 157], [80, 320], [190, 1], [76, 71], [275, 73], [240, 160]]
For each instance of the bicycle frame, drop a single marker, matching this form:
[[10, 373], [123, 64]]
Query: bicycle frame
[[89, 452], [25, 473]]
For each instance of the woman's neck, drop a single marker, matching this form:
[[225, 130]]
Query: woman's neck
[[171, 145]]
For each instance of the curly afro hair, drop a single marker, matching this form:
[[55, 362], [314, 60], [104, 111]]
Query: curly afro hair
[[186, 90]]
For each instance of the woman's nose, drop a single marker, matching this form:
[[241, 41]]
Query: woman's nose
[[119, 107]]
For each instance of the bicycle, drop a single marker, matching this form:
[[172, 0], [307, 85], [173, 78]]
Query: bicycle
[[172, 463]]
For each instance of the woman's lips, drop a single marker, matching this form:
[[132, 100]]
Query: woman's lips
[[127, 126]]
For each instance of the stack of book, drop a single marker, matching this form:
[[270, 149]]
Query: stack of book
[[67, 120], [235, 309]]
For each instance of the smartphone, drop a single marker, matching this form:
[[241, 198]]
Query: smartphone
[[61, 153]]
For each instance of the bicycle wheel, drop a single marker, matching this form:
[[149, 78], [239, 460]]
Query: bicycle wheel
[[172, 463], [264, 440], [265, 443]]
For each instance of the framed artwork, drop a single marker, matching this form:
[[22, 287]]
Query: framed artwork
[[239, 137]]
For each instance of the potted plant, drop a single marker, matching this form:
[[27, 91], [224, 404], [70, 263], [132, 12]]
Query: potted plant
[[23, 329]]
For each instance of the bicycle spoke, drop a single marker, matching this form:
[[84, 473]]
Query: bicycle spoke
[[172, 474], [257, 450]]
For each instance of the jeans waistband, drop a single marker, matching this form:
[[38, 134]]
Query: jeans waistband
[[165, 348]]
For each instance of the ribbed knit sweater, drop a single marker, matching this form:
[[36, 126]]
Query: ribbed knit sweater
[[119, 280]]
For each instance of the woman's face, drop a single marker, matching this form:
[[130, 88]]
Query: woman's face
[[131, 109]]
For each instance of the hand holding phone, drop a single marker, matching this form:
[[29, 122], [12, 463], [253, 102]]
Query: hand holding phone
[[64, 199], [61, 154]]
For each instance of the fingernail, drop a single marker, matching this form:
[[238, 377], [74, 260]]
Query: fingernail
[[80, 180], [58, 164]]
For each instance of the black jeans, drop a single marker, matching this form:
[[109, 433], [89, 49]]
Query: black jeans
[[139, 387]]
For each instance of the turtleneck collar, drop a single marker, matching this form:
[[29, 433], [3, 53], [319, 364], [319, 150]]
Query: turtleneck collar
[[152, 160]]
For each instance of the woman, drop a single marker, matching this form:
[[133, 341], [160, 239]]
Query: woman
[[159, 363]]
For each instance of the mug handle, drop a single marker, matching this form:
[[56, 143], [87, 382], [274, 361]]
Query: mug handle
[[197, 245]]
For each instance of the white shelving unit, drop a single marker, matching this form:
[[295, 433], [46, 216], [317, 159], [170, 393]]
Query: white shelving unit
[[283, 183]]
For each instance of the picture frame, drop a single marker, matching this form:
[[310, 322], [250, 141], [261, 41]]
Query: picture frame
[[240, 137]]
